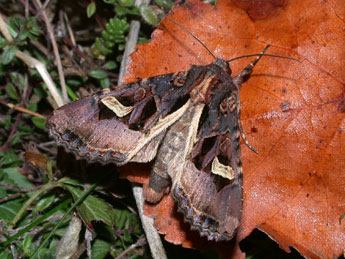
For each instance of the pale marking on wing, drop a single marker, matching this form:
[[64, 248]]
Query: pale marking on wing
[[118, 108], [223, 170], [161, 125], [200, 90], [191, 138]]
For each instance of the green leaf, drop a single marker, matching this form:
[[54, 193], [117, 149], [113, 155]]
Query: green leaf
[[8, 55], [9, 209], [121, 10], [12, 31], [164, 3], [32, 107], [3, 42], [46, 253], [2, 193], [17, 137], [45, 202], [71, 94], [74, 82], [111, 65], [91, 9], [100, 249], [39, 122], [105, 83], [121, 219], [5, 255], [98, 74], [11, 91], [23, 35], [8, 159], [127, 3], [72, 181], [27, 242], [92, 208], [19, 179], [148, 14], [133, 11]]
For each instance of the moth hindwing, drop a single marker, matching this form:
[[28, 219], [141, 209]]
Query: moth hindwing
[[188, 122]]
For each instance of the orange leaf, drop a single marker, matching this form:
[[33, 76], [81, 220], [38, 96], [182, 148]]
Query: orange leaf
[[293, 113]]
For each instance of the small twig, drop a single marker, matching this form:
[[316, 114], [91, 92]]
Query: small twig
[[26, 8], [88, 238], [21, 109], [44, 147], [48, 143], [16, 188], [141, 241], [26, 90], [31, 9], [40, 47], [56, 52], [119, 197], [4, 30], [79, 53], [152, 236], [10, 197], [13, 131], [69, 29], [33, 63], [13, 251], [42, 8]]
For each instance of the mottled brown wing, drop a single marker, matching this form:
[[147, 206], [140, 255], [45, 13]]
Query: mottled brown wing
[[210, 197], [126, 124], [81, 129]]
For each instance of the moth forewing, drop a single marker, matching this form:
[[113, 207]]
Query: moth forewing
[[173, 152], [158, 128]]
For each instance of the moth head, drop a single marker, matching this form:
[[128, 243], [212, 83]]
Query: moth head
[[224, 65]]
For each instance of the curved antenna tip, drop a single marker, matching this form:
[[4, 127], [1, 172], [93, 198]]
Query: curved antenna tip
[[191, 34]]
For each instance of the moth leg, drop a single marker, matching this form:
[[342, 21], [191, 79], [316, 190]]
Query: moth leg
[[245, 73], [238, 80], [243, 135], [158, 185], [245, 138]]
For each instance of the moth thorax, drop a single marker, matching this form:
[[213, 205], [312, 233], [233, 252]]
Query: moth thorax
[[223, 64], [200, 91], [180, 78], [232, 101]]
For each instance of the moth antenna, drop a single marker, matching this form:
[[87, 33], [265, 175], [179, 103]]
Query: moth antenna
[[191, 34], [267, 55]]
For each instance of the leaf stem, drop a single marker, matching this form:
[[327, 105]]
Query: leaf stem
[[20, 213]]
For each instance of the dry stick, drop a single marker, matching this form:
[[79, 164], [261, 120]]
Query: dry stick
[[21, 109], [141, 241], [27, 9], [152, 236], [69, 29], [33, 63], [56, 52], [130, 46]]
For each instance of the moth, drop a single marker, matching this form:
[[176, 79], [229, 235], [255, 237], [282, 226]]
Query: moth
[[187, 122]]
